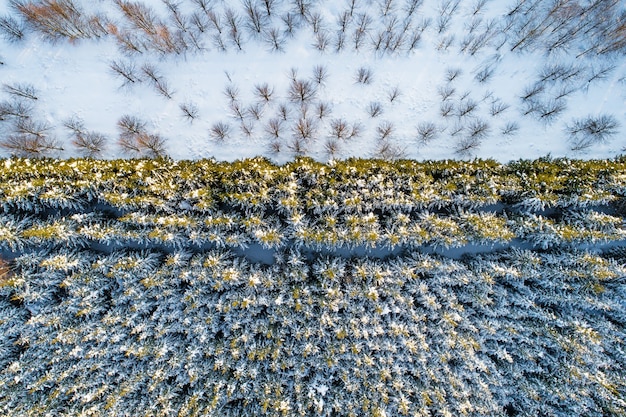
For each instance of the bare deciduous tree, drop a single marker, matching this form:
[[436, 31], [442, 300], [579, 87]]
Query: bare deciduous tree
[[190, 111], [20, 109], [220, 130], [32, 146], [466, 145], [21, 90], [453, 73], [510, 128], [90, 144], [126, 70], [375, 109], [393, 94], [131, 125], [274, 127], [302, 91], [274, 37], [426, 131], [304, 128], [320, 74], [364, 75], [12, 29], [478, 129], [256, 110], [384, 130], [264, 91], [587, 131], [56, 19], [466, 107], [498, 107]]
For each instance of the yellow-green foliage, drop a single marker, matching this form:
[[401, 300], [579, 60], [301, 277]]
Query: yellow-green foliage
[[253, 182]]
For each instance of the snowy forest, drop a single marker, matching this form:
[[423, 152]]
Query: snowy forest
[[156, 287], [290, 208]]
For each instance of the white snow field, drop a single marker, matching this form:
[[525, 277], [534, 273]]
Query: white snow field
[[479, 78]]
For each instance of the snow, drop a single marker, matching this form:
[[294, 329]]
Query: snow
[[74, 79]]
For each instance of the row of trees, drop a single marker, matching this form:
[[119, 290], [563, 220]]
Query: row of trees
[[331, 231], [350, 187], [386, 27], [518, 332]]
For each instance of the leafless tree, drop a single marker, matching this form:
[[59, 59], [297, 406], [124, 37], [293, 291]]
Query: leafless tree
[[304, 128], [256, 18], [322, 109], [302, 91], [220, 131], [125, 70], [21, 109], [293, 74], [189, 110], [275, 147], [233, 21], [466, 145], [274, 37], [316, 21], [283, 111], [256, 110], [200, 22], [302, 8], [456, 129], [12, 29], [384, 130], [387, 150], [89, 144], [143, 144], [587, 131], [551, 110], [364, 75], [129, 125], [56, 19], [478, 129], [331, 147], [247, 128], [75, 124], [498, 107], [320, 74], [393, 94], [297, 146], [445, 42], [28, 126], [386, 7], [340, 41], [426, 131], [27, 145], [453, 73], [159, 83], [264, 91], [483, 75], [446, 108], [322, 39], [510, 128], [289, 19], [269, 6], [375, 109], [340, 128], [204, 5], [274, 127], [238, 112], [466, 107], [446, 91], [21, 90], [231, 92]]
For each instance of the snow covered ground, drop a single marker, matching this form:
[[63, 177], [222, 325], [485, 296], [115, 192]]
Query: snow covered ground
[[75, 80]]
